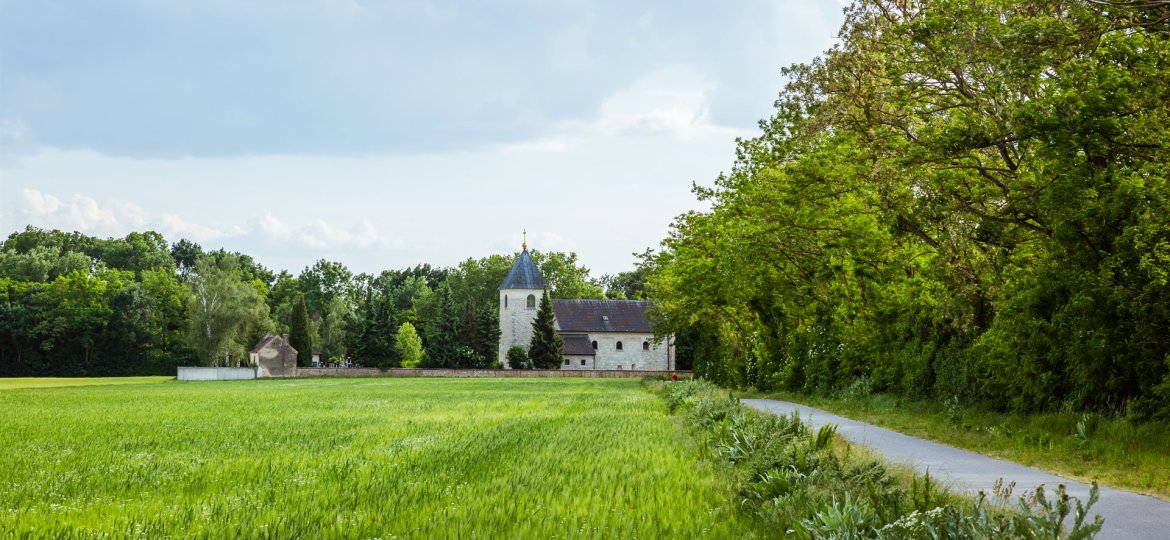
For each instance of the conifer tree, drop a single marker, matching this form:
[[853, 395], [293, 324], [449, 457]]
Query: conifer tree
[[298, 332], [546, 349]]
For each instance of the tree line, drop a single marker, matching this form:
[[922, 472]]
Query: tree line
[[961, 199], [76, 305]]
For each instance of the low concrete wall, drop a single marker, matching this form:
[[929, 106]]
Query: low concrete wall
[[513, 373], [216, 373]]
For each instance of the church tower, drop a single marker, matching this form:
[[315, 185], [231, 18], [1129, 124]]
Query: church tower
[[519, 297]]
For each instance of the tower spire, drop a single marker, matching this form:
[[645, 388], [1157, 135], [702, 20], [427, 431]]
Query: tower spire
[[524, 245]]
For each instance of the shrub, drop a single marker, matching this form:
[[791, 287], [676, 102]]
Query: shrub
[[517, 358], [793, 479]]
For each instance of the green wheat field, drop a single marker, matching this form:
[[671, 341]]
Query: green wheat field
[[352, 458]]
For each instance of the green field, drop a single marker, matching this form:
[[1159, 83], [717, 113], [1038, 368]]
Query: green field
[[353, 458], [55, 382]]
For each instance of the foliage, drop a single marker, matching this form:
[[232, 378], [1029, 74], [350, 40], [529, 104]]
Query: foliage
[[961, 199], [796, 480], [226, 314], [73, 305], [546, 349], [298, 335], [372, 458], [517, 358], [630, 285], [564, 275], [335, 323], [1110, 448], [408, 345]]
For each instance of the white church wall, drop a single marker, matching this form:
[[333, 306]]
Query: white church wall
[[631, 356], [516, 319], [578, 363]]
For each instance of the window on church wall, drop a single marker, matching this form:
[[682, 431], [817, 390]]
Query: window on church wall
[[595, 345], [532, 301], [566, 361], [582, 361], [645, 345], [619, 345]]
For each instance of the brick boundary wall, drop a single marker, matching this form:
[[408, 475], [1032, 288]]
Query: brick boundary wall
[[466, 373]]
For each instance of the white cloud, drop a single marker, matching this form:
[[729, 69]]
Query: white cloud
[[550, 241], [671, 102], [174, 227], [321, 235], [37, 203], [604, 188], [544, 144], [117, 218], [271, 227], [80, 212]]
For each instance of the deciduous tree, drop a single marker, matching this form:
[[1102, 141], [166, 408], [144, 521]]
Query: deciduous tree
[[409, 346]]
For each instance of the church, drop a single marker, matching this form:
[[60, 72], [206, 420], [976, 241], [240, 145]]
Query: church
[[598, 334]]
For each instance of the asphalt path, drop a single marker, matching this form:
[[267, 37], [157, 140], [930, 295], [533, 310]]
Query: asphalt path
[[1127, 514]]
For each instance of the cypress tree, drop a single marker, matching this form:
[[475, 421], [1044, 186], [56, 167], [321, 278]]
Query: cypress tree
[[546, 349], [298, 332]]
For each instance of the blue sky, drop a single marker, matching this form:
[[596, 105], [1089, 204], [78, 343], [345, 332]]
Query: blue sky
[[383, 134]]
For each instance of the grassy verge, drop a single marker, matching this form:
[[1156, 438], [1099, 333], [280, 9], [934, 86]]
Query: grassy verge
[[796, 482], [57, 382], [355, 458], [1089, 447]]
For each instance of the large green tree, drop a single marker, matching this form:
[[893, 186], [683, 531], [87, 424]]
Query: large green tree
[[226, 313], [546, 350], [961, 198]]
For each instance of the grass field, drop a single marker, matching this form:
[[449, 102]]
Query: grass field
[[354, 458], [56, 382]]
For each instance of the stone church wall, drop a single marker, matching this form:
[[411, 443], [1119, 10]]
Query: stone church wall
[[516, 320], [632, 356]]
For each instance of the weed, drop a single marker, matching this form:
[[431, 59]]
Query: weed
[[953, 411]]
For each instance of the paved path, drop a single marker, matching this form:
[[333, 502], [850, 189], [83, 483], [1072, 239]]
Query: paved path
[[1127, 515]]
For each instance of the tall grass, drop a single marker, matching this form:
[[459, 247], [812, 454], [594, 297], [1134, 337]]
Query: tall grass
[[1112, 449], [354, 458], [808, 484]]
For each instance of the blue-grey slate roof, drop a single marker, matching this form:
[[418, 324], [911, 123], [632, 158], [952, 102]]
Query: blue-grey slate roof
[[577, 345], [524, 274], [602, 315]]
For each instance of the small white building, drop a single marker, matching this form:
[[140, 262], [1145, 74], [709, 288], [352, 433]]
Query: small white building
[[597, 334]]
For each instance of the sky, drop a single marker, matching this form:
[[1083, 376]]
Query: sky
[[383, 134]]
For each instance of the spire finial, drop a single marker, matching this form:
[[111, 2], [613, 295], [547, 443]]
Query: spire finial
[[524, 245]]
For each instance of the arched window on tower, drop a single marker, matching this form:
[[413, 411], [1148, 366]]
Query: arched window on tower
[[505, 301], [645, 345], [595, 345], [532, 301], [619, 345]]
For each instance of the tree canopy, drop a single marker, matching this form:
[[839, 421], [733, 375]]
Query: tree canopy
[[961, 198]]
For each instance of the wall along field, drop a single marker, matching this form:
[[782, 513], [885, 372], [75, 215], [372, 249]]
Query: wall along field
[[354, 458]]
